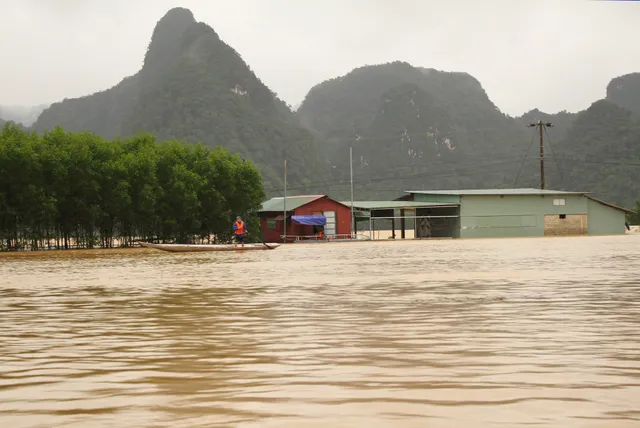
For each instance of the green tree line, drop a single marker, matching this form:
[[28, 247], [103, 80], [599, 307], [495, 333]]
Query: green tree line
[[77, 190], [634, 218]]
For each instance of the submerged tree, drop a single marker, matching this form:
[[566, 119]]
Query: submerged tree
[[77, 190]]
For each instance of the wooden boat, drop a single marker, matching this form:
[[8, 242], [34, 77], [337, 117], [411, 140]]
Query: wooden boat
[[187, 248]]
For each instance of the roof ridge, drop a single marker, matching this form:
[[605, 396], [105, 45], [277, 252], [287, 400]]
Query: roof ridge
[[298, 196]]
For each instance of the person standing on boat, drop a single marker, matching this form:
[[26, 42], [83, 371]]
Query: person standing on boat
[[239, 230]]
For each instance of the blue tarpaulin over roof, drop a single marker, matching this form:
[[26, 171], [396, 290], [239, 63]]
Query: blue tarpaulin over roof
[[310, 220]]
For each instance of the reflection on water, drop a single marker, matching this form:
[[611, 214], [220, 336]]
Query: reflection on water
[[487, 333]]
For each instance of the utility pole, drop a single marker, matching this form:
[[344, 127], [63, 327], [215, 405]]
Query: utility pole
[[284, 205], [541, 125], [353, 226]]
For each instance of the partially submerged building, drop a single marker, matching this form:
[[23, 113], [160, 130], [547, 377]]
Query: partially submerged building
[[305, 216], [481, 213], [487, 213]]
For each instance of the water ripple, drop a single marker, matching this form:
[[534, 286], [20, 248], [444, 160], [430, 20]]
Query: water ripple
[[485, 333]]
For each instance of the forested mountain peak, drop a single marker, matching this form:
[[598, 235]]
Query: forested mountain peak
[[408, 125], [195, 87], [625, 91], [176, 20], [167, 37], [324, 109]]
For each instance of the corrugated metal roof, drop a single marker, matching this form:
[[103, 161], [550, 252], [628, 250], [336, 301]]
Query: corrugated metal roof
[[378, 205], [495, 192], [293, 202]]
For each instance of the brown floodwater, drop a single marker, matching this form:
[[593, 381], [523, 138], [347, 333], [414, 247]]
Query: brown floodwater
[[463, 333]]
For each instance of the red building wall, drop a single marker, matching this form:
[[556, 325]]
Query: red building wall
[[343, 213], [318, 206], [270, 235]]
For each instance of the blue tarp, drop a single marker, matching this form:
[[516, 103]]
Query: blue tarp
[[310, 220]]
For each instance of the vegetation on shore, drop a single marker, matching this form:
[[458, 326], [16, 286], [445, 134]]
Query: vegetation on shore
[[62, 190], [634, 218]]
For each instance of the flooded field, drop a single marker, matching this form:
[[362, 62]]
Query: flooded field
[[487, 333]]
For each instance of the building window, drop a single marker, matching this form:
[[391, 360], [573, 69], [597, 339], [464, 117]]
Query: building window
[[558, 202], [562, 216], [271, 224]]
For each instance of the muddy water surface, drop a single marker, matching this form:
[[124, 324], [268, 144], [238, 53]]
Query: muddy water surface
[[486, 333]]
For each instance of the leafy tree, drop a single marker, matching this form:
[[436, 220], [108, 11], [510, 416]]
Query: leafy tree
[[77, 190], [634, 218]]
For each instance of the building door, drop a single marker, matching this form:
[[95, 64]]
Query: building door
[[330, 227]]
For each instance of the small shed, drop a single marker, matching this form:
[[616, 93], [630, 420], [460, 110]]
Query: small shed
[[306, 215]]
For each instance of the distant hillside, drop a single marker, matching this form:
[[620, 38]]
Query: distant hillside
[[195, 87], [25, 115], [601, 154], [414, 127], [103, 112], [598, 149], [625, 91], [3, 122], [410, 127]]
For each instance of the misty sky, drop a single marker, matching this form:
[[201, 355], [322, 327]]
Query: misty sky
[[549, 54]]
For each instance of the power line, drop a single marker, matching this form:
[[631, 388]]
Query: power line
[[446, 174], [525, 159], [554, 155], [400, 187], [431, 164], [392, 177], [458, 163], [601, 162], [396, 189], [471, 174], [481, 169], [358, 138], [442, 174]]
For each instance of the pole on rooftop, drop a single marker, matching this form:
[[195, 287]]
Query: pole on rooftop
[[353, 219], [284, 206]]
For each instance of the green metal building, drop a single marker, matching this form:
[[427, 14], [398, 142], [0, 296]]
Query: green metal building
[[513, 213]]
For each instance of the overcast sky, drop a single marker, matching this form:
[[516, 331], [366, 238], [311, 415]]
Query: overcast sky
[[549, 54]]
